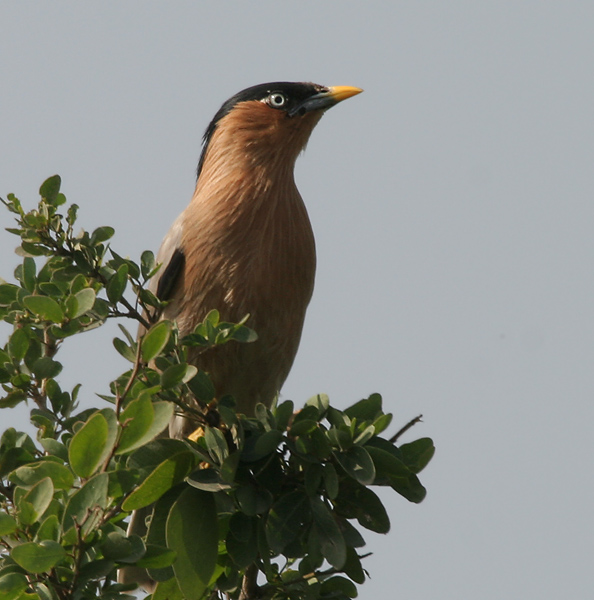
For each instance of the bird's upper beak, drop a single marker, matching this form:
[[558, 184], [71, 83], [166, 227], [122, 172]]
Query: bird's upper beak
[[326, 99]]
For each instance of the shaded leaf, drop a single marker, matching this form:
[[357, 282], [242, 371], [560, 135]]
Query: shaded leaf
[[12, 586], [50, 188], [7, 524], [193, 517], [179, 373], [332, 543], [367, 409], [18, 344], [339, 585], [86, 504], [416, 455], [38, 498], [37, 558], [117, 284], [285, 520], [208, 480], [357, 463], [45, 367], [167, 590]]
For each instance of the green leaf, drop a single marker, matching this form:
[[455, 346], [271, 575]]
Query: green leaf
[[352, 566], [320, 401], [283, 414], [330, 480], [38, 498], [369, 510], [216, 443], [13, 586], [7, 524], [85, 299], [117, 284], [37, 558], [242, 542], [126, 351], [366, 409], [208, 480], [28, 274], [136, 421], [45, 367], [167, 590], [116, 546], [162, 413], [54, 448], [50, 188], [147, 263], [102, 234], [339, 585], [44, 307], [417, 454], [286, 519], [175, 374], [8, 294], [357, 463], [167, 474], [387, 465], [157, 557], [89, 448], [193, 517], [332, 543], [83, 504], [155, 340], [27, 476], [49, 529], [18, 344]]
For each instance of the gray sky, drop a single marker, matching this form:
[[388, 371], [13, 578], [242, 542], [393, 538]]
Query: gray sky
[[453, 209]]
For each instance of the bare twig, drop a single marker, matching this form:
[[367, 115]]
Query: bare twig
[[410, 424]]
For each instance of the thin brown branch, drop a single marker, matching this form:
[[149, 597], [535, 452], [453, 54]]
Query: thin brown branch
[[410, 424]]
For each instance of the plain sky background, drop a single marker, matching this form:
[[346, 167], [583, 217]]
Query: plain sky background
[[453, 207]]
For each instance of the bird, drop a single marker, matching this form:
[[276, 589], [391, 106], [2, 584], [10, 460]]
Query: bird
[[244, 244]]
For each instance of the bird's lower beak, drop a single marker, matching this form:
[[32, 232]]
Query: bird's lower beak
[[326, 99]]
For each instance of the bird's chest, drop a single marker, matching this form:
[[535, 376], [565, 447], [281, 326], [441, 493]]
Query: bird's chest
[[260, 261]]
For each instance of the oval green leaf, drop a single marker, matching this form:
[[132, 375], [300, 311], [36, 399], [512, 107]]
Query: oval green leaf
[[192, 532], [45, 307], [38, 558], [88, 448], [163, 478], [155, 340]]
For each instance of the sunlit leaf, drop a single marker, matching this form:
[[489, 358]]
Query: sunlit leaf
[[161, 479], [89, 448], [155, 340], [45, 307]]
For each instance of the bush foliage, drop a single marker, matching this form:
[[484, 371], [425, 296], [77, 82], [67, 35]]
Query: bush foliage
[[267, 506]]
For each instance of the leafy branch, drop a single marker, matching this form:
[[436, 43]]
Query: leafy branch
[[266, 506]]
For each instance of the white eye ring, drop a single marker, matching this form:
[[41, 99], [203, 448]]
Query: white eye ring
[[276, 100]]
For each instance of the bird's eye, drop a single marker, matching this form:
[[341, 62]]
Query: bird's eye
[[276, 100]]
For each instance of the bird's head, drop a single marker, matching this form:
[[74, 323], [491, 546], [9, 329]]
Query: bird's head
[[268, 124]]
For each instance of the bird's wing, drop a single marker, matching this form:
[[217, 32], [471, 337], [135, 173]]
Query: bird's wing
[[172, 259]]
